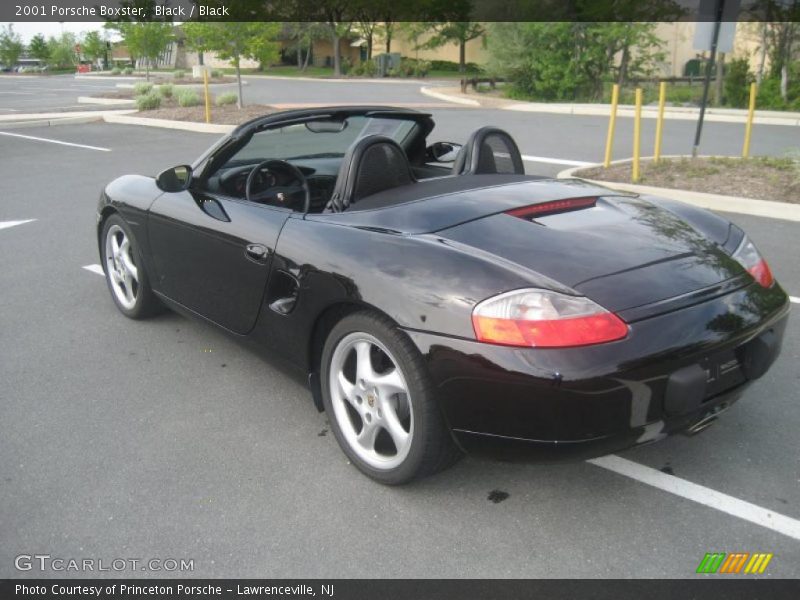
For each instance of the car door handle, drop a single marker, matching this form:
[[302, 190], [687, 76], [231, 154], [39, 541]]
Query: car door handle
[[257, 251]]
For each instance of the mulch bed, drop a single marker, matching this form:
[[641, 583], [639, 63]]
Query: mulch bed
[[225, 115], [762, 178]]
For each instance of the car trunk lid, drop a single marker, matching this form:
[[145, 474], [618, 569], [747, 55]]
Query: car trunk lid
[[621, 252]]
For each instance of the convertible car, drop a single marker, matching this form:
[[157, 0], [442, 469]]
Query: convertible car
[[441, 301]]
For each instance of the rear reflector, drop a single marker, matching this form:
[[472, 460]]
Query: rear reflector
[[552, 207]]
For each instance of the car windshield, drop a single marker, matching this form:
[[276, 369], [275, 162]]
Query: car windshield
[[319, 139]]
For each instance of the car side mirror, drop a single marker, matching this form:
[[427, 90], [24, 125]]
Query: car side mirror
[[443, 152], [176, 179]]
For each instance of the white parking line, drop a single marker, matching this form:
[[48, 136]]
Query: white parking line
[[51, 141], [700, 494], [794, 299], [556, 161], [96, 269], [7, 224]]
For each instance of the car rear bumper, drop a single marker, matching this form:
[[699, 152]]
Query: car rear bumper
[[673, 373]]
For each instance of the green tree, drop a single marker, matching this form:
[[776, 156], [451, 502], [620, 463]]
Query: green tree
[[568, 60], [93, 45], [38, 48], [11, 46], [302, 36], [234, 41], [456, 32], [62, 50], [781, 38], [145, 40]]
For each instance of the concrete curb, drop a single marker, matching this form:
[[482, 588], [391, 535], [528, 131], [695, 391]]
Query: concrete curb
[[111, 77], [194, 84], [123, 119], [410, 81], [718, 202], [55, 116], [686, 113], [51, 122], [105, 101], [448, 97], [650, 112]]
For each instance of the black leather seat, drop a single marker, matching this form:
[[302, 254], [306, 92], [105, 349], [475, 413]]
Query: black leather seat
[[489, 150], [372, 164]]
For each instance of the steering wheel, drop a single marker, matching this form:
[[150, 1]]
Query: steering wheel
[[279, 195]]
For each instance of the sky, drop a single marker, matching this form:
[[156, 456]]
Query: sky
[[28, 30]]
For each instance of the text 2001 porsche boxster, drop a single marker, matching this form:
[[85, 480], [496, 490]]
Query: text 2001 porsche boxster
[[439, 299]]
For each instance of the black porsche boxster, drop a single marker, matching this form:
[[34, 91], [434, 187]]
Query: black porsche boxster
[[439, 299]]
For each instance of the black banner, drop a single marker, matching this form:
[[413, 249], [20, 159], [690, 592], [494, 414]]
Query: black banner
[[707, 587], [395, 10]]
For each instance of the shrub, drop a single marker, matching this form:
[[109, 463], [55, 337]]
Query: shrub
[[166, 90], [187, 97], [216, 73], [421, 68], [116, 71], [769, 94], [128, 70], [149, 101], [227, 98], [142, 88], [737, 83], [179, 74], [407, 67]]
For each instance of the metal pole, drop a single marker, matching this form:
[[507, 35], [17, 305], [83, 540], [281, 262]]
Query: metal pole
[[637, 135], [718, 7], [208, 100], [748, 130], [611, 125], [662, 97]]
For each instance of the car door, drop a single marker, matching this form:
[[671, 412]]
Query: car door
[[212, 254]]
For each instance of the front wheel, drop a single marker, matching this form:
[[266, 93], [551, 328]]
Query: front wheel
[[380, 401], [124, 270]]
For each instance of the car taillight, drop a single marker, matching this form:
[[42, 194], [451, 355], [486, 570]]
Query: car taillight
[[544, 319], [747, 255]]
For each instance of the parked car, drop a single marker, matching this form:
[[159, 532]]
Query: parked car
[[438, 299]]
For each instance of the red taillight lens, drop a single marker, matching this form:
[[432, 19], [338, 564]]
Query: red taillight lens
[[748, 256], [552, 207], [544, 319]]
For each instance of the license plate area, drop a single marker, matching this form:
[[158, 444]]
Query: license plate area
[[723, 372]]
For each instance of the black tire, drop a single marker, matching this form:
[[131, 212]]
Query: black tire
[[431, 448], [146, 303]]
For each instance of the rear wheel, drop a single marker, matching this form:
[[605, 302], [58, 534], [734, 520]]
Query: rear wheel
[[380, 401], [124, 270]]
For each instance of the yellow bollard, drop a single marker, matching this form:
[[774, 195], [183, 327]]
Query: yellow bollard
[[748, 129], [208, 100], [637, 132], [612, 122], [662, 96]]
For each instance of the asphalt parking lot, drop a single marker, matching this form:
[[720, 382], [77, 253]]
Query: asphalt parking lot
[[167, 439]]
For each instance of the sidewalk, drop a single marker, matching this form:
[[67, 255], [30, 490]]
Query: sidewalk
[[689, 113]]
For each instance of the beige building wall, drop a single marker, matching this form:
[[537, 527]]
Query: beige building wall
[[211, 59], [475, 50], [679, 45]]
